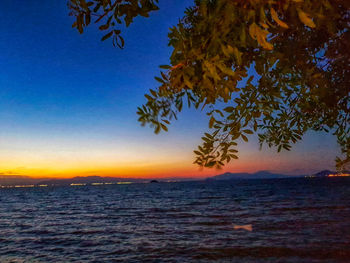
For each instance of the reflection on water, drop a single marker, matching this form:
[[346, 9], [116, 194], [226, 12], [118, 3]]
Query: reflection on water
[[244, 227], [292, 220]]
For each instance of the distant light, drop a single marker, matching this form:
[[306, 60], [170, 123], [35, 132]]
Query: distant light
[[329, 175], [124, 183], [76, 184], [338, 175], [97, 184], [42, 185]]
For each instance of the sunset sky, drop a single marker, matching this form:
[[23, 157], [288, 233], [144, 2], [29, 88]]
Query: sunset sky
[[68, 103]]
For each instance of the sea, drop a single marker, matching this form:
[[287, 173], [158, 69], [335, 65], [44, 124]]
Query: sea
[[276, 220]]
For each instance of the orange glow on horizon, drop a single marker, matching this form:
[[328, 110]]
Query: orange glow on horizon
[[137, 171], [157, 165], [140, 171]]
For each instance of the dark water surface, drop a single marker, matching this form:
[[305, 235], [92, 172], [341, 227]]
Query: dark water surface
[[294, 220]]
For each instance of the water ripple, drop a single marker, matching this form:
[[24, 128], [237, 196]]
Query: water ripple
[[294, 220]]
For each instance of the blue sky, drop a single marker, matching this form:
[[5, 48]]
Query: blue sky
[[68, 101]]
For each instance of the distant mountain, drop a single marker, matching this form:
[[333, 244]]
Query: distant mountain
[[268, 175], [257, 175], [323, 173], [12, 180], [326, 173]]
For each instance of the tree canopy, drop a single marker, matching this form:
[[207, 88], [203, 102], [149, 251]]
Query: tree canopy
[[274, 68]]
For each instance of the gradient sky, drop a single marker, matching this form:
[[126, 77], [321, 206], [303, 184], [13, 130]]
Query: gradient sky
[[68, 102]]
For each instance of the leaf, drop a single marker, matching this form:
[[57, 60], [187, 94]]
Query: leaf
[[277, 20], [177, 66], [87, 19], [238, 55], [157, 129], [219, 112], [153, 92], [208, 135], [104, 27], [159, 79], [230, 49], [205, 139], [248, 131], [234, 156], [229, 109], [244, 138], [122, 41], [210, 164], [252, 30], [305, 18], [260, 35], [188, 83], [148, 97], [165, 67], [163, 75], [243, 37], [165, 128], [264, 25], [211, 122], [235, 135], [108, 35], [80, 24]]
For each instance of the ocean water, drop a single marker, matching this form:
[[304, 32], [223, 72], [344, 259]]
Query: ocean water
[[292, 220]]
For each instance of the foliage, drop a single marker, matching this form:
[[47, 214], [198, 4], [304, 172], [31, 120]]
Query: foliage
[[109, 14], [281, 68]]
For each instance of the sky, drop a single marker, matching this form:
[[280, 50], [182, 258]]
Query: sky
[[68, 103]]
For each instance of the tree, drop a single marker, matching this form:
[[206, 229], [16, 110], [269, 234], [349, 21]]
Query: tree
[[280, 68]]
